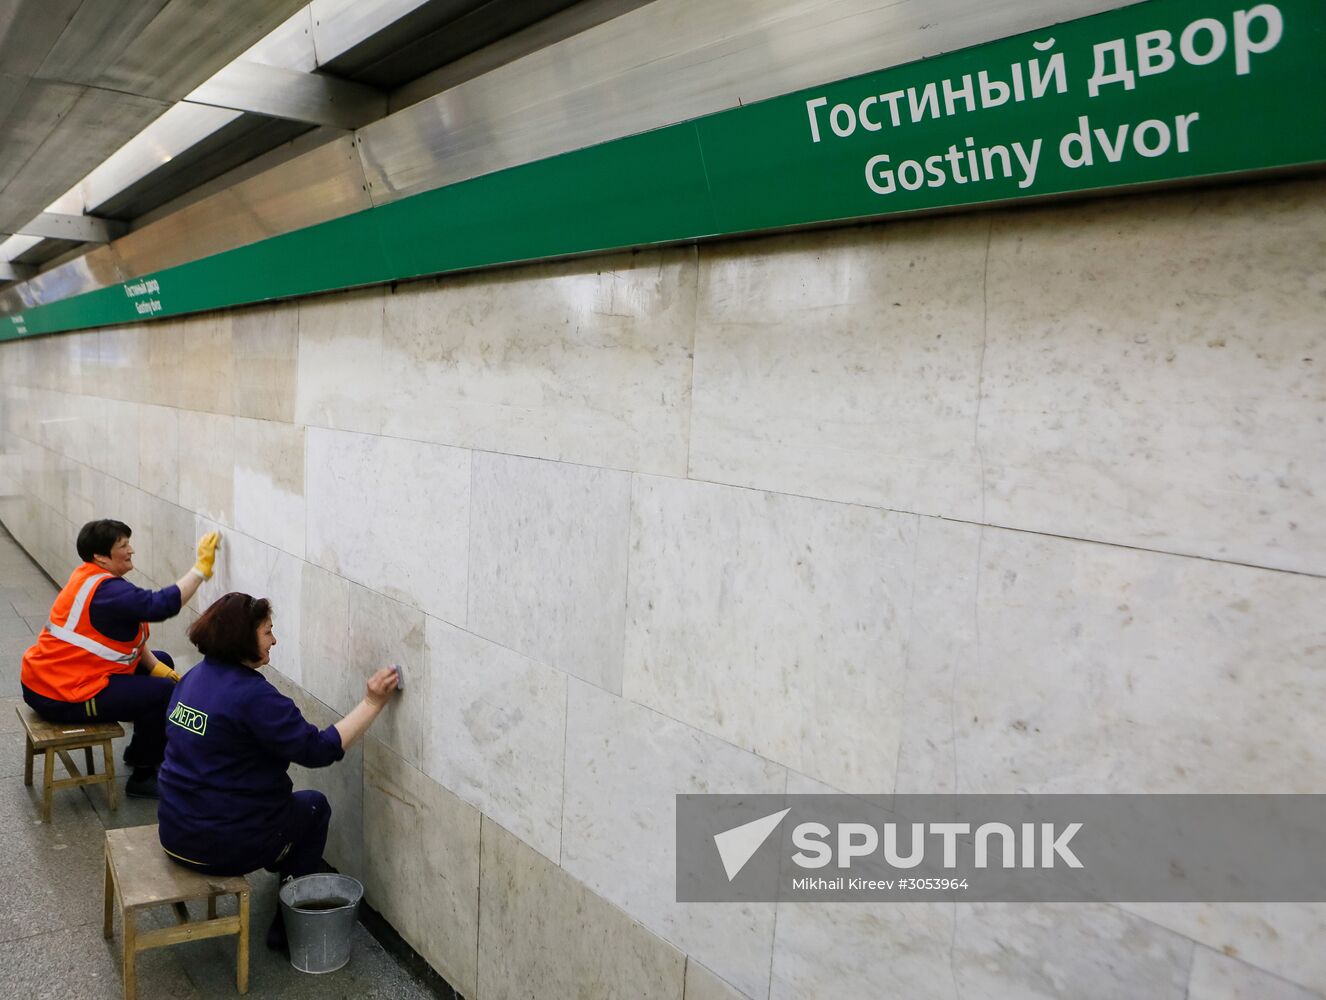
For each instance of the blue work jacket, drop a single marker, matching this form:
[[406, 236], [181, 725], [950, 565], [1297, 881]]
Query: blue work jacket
[[230, 738]]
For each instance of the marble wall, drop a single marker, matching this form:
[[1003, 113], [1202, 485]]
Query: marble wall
[[1017, 501]]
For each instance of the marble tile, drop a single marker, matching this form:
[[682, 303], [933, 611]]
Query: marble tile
[[1153, 373], [391, 515], [542, 933], [385, 632], [252, 567], [172, 636], [1283, 939], [548, 562], [943, 637], [164, 542], [207, 464], [159, 452], [123, 358], [269, 483], [118, 437], [1091, 668], [844, 365], [340, 382], [579, 361], [496, 733], [84, 495], [191, 363], [1047, 951], [863, 951], [624, 767], [265, 345], [775, 622], [324, 638], [701, 984], [433, 900], [342, 783], [1219, 977], [932, 950]]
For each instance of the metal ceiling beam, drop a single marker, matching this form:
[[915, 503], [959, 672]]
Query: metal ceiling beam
[[15, 272], [80, 228], [289, 94]]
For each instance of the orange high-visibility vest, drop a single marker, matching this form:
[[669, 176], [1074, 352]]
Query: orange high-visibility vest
[[71, 660]]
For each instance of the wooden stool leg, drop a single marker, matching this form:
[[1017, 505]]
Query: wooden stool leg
[[109, 923], [46, 789], [211, 907], [130, 935], [87, 759], [108, 759], [27, 761], [242, 951]]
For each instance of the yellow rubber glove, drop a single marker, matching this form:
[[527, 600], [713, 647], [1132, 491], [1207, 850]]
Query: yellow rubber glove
[[207, 554], [161, 670]]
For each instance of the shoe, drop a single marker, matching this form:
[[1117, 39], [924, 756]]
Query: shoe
[[142, 785]]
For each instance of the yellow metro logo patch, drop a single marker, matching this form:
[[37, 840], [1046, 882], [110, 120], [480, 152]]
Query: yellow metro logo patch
[[189, 718]]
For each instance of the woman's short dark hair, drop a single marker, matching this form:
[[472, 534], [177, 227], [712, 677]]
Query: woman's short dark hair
[[228, 630], [97, 538]]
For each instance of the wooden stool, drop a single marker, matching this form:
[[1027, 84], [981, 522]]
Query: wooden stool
[[59, 738], [138, 870]]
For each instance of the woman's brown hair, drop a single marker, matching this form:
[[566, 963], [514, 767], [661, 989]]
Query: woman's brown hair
[[228, 630]]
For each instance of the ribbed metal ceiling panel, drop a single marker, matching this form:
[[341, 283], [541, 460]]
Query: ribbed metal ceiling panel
[[79, 78]]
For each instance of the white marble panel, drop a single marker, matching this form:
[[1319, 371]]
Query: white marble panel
[[548, 562], [863, 951], [1281, 938], [497, 732], [1219, 977], [324, 619], [265, 346], [934, 950], [159, 452], [164, 542], [544, 934], [701, 984], [1153, 373], [580, 361], [85, 494], [1091, 668], [384, 632], [944, 636], [122, 363], [118, 438], [1038, 951], [207, 464], [844, 365], [422, 865], [252, 567], [775, 622], [269, 483], [342, 783], [190, 363], [624, 767], [340, 382], [391, 515]]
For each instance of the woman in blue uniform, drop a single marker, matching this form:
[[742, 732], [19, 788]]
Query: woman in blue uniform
[[227, 805]]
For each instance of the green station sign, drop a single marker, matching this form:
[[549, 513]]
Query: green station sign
[[1150, 94]]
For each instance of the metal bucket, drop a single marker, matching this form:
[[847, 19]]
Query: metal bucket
[[319, 912]]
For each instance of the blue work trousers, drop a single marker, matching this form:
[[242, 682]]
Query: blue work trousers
[[135, 698]]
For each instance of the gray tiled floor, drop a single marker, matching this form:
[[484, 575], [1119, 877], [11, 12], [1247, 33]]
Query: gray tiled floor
[[50, 909]]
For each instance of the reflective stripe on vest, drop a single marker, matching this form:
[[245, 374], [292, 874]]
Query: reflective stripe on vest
[[83, 642]]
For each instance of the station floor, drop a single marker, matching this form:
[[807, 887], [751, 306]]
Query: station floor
[[51, 875]]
